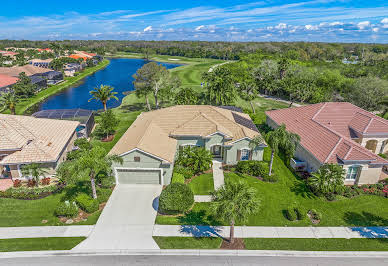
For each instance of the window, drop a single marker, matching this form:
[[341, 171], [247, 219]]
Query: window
[[245, 155], [353, 172], [136, 159]]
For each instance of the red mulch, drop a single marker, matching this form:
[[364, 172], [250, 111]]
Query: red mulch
[[238, 243], [108, 139]]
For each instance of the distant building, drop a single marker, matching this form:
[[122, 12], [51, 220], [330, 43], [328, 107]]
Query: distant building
[[41, 63], [6, 82], [71, 69], [52, 77]]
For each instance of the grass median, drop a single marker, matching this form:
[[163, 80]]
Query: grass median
[[34, 244]]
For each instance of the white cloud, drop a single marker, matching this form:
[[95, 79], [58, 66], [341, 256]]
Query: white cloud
[[375, 29], [281, 26], [336, 23], [384, 21], [311, 27], [199, 28], [149, 28], [362, 25]]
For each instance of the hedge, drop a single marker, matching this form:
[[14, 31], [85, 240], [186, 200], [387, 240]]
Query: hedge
[[253, 168], [178, 178], [30, 193], [86, 203], [67, 209], [176, 198]]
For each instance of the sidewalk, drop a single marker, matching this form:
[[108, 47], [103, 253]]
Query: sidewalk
[[270, 232], [218, 174], [45, 231]]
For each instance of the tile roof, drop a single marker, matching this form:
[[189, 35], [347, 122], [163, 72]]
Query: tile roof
[[154, 132], [34, 139], [326, 130], [28, 69], [6, 80]]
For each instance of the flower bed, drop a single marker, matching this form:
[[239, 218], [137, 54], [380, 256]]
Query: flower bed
[[30, 193]]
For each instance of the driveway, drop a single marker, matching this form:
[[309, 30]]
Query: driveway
[[127, 220]]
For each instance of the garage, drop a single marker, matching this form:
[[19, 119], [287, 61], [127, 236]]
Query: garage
[[138, 176]]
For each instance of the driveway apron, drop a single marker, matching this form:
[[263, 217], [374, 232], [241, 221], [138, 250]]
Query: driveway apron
[[127, 220]]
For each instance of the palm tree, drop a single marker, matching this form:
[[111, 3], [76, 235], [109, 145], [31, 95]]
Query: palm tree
[[234, 202], [328, 179], [256, 142], [195, 158], [90, 163], [35, 171], [281, 138], [9, 100], [104, 93]]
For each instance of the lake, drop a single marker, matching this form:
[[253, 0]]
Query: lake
[[117, 74]]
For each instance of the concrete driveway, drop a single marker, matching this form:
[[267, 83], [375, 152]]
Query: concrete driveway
[[127, 220]]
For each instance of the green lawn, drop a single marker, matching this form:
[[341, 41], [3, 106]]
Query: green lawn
[[25, 104], [32, 244], [188, 242], [311, 244], [202, 185]]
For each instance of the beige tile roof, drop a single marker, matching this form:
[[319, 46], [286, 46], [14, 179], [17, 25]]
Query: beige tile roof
[[28, 69], [154, 132], [35, 139]]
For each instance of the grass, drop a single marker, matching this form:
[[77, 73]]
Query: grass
[[311, 244], [202, 185], [32, 244], [23, 106], [188, 242]]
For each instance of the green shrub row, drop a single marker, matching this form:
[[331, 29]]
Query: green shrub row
[[176, 198], [86, 203], [30, 193], [294, 213], [103, 194], [186, 172], [67, 209], [253, 168]]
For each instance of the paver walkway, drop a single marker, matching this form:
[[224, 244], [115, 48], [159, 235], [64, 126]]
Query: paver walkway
[[271, 232], [127, 220], [218, 174], [45, 231]]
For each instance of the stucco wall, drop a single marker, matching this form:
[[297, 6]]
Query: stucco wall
[[380, 143], [302, 154], [368, 175], [213, 140], [146, 161], [231, 152]]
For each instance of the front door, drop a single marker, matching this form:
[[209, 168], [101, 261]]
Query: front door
[[216, 150]]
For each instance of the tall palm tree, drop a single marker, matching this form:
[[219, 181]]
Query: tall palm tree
[[103, 94], [281, 138], [90, 163], [234, 202], [35, 171], [9, 100]]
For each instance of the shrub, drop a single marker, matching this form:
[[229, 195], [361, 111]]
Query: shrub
[[186, 172], [330, 197], [270, 178], [198, 159], [67, 209], [86, 203], [107, 182], [300, 213], [253, 168], [17, 183], [103, 194], [176, 198], [291, 213], [315, 215], [45, 181], [348, 192], [29, 193], [31, 183], [178, 178]]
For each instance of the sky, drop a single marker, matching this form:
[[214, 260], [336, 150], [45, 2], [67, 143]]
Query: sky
[[222, 20]]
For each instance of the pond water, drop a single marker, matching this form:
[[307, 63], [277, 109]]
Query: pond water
[[117, 74]]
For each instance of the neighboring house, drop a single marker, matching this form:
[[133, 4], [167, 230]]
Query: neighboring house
[[52, 77], [39, 82], [337, 132], [149, 147], [6, 82], [29, 70], [26, 139], [70, 69], [41, 63]]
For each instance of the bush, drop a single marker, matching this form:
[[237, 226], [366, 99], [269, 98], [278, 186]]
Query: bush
[[331, 197], [67, 209], [45, 181], [31, 183], [300, 213], [17, 183], [315, 215], [270, 178], [29, 193], [176, 198], [291, 213], [253, 168], [86, 203], [107, 182], [178, 178], [186, 172], [103, 194]]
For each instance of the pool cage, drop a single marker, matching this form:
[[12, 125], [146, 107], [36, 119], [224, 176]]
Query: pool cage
[[85, 117]]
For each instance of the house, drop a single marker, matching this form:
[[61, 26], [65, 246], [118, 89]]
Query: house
[[39, 82], [149, 147], [45, 63], [52, 77], [29, 70], [337, 132], [6, 82], [26, 139], [70, 69]]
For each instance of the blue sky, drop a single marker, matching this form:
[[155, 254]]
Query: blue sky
[[223, 20]]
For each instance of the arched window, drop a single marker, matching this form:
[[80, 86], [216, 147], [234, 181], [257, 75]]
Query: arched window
[[371, 145]]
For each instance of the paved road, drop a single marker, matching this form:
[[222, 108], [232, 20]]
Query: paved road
[[127, 220], [192, 260]]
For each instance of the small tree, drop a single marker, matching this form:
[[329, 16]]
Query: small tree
[[197, 159], [35, 171], [219, 85], [107, 125], [256, 142], [186, 96], [328, 179], [9, 100], [234, 202], [281, 138], [103, 94]]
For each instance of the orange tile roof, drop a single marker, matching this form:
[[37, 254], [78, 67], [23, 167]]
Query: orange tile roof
[[6, 80], [325, 130]]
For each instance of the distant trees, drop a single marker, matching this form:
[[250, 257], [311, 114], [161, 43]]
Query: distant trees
[[186, 96], [220, 89], [103, 94], [106, 125], [58, 63], [9, 101], [23, 88]]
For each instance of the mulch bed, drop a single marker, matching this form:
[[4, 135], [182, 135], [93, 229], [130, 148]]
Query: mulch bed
[[313, 221], [108, 139], [238, 243]]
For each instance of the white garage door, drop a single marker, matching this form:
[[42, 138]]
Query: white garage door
[[138, 176]]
